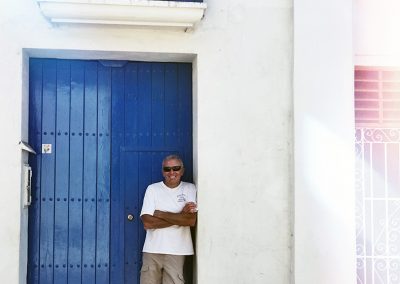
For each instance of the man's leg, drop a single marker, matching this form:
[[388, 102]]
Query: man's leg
[[173, 269], [151, 271]]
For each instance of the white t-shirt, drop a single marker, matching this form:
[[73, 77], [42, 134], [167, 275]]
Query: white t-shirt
[[175, 240]]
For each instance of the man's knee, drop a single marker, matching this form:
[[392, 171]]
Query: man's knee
[[151, 272], [173, 269], [172, 277]]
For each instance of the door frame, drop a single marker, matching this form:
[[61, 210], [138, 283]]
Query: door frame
[[28, 53]]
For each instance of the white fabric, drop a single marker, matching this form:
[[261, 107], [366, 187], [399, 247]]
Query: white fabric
[[175, 239]]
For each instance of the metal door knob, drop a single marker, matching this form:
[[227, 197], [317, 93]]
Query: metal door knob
[[130, 217]]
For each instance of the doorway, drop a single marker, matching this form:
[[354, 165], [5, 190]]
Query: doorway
[[101, 130]]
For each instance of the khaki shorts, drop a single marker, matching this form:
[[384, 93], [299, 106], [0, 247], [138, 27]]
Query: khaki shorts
[[162, 269]]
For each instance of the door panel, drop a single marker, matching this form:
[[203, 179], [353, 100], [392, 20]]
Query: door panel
[[103, 174], [76, 171], [117, 215], [47, 230], [61, 179], [109, 127], [89, 217]]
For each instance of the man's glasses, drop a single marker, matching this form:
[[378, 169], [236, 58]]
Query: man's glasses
[[174, 168]]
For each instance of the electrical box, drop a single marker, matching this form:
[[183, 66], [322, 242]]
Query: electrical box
[[27, 185]]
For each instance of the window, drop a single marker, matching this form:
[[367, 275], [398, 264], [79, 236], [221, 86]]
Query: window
[[377, 114]]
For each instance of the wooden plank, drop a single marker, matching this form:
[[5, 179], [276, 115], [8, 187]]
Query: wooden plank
[[131, 203], [171, 105], [131, 103], [76, 172], [35, 124], [157, 104], [144, 141], [144, 104], [90, 175], [117, 198], [144, 125], [185, 107], [103, 174], [48, 173], [144, 179], [62, 173], [156, 162]]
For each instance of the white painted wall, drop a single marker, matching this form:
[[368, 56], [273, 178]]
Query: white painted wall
[[376, 40], [324, 143], [243, 127]]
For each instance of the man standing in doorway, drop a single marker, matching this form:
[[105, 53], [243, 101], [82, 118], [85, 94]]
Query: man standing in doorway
[[169, 210]]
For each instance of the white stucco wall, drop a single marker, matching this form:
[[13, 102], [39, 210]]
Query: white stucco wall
[[375, 32], [324, 142], [243, 127]]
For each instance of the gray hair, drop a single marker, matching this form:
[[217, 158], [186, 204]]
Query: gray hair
[[173, 157]]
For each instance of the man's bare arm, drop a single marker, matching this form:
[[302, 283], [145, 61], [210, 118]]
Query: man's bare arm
[[180, 219], [190, 207], [153, 222]]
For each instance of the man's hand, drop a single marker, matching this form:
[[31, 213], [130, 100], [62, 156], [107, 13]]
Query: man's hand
[[190, 207]]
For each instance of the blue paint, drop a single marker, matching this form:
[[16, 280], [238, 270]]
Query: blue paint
[[89, 217], [117, 194], [61, 192], [185, 136], [157, 103], [46, 234], [76, 172], [103, 175], [110, 125]]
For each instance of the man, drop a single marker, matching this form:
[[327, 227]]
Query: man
[[168, 211]]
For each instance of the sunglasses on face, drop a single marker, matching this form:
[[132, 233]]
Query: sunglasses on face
[[174, 168]]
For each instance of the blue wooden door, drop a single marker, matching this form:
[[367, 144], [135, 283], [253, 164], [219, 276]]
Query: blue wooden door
[[100, 130]]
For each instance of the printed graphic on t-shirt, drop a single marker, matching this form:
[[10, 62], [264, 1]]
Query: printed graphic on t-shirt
[[181, 197]]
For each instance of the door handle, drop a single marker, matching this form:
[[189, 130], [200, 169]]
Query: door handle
[[130, 217]]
